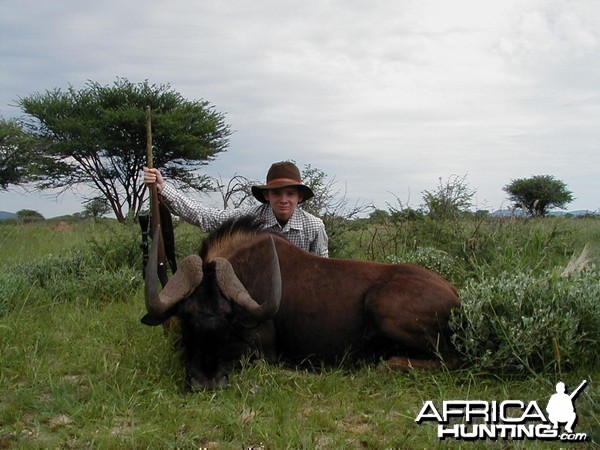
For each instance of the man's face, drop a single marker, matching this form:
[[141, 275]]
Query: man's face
[[283, 201]]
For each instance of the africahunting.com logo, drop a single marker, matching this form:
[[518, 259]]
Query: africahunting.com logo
[[509, 419]]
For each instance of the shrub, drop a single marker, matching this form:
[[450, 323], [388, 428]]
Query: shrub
[[117, 246], [526, 322], [188, 239], [67, 278], [435, 260], [50, 268]]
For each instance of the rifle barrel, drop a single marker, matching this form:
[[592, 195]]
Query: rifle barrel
[[149, 157], [576, 391]]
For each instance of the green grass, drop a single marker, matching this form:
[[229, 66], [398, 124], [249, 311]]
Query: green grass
[[81, 376], [78, 370], [21, 243], [475, 247]]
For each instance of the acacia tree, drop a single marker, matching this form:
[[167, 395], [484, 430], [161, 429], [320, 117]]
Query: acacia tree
[[95, 208], [20, 154], [97, 138], [538, 194]]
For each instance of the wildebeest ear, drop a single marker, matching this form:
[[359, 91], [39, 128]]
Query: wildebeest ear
[[153, 320]]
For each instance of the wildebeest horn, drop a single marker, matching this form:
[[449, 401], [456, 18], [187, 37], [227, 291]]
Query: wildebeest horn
[[187, 278], [235, 291]]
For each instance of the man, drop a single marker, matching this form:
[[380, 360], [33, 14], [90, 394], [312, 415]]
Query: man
[[560, 407], [279, 210]]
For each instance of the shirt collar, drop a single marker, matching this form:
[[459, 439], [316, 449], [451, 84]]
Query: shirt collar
[[295, 222]]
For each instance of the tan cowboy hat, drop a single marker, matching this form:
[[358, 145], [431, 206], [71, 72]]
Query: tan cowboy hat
[[280, 175]]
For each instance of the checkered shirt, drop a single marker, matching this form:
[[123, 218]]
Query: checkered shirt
[[303, 229]]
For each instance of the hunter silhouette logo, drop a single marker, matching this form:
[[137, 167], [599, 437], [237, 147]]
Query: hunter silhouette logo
[[560, 407], [509, 419]]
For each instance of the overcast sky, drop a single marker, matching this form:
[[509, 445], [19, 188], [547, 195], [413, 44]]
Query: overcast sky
[[387, 96]]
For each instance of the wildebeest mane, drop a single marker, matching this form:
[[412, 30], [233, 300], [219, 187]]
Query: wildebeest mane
[[231, 234]]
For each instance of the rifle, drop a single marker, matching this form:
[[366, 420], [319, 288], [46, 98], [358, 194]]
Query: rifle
[[168, 237], [577, 390], [155, 213]]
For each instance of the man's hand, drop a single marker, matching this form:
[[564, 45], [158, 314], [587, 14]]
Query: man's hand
[[152, 176]]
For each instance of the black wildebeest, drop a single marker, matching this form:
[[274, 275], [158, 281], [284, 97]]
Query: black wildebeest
[[252, 291]]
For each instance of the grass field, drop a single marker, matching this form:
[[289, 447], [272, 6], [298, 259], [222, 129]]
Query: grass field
[[78, 370]]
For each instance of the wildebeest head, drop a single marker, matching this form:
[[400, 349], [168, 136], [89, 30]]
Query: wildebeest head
[[209, 299]]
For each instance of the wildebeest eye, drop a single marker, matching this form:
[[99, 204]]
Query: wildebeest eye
[[244, 321]]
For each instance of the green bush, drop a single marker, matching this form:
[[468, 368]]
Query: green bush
[[526, 322], [435, 260], [117, 246], [188, 239], [51, 268], [100, 273]]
